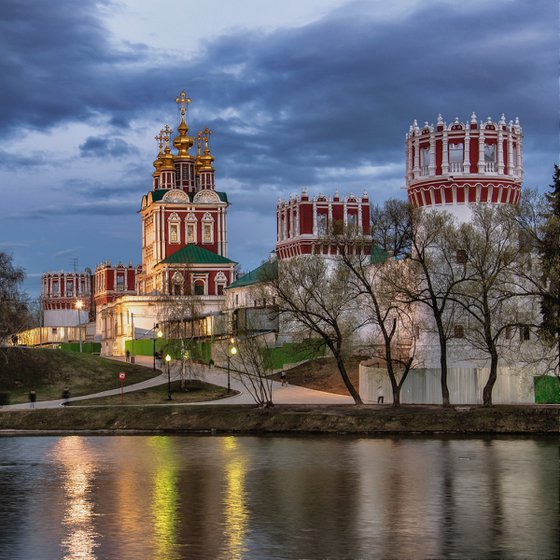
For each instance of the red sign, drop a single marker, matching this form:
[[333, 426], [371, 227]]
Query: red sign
[[122, 375]]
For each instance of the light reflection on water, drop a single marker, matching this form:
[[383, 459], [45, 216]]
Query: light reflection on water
[[170, 497]]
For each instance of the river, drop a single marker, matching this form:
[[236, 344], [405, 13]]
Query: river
[[229, 497]]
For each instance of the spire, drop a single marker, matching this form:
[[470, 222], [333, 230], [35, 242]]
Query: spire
[[207, 158], [158, 162], [183, 141], [198, 159], [167, 158]]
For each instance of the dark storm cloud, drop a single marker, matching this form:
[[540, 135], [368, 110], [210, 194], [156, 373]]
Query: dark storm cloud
[[86, 208], [101, 146], [286, 106]]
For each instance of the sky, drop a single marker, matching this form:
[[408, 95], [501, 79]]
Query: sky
[[316, 94]]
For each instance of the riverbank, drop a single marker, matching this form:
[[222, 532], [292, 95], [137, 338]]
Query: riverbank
[[246, 419]]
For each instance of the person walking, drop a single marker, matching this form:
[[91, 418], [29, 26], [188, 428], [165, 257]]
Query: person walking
[[380, 395], [32, 398], [283, 379], [65, 396]]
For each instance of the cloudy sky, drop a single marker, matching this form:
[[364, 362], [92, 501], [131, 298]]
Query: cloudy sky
[[314, 93]]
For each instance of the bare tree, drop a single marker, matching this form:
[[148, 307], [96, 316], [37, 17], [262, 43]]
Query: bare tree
[[490, 294], [252, 366], [392, 227], [13, 301], [437, 270], [392, 321], [314, 293]]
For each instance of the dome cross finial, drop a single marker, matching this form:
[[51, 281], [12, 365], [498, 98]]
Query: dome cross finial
[[182, 100]]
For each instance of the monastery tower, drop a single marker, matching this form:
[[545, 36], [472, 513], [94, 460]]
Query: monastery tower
[[453, 165]]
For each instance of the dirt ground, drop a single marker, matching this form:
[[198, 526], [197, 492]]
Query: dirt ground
[[323, 375]]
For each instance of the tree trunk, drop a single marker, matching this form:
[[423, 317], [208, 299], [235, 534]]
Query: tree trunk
[[351, 389], [443, 365], [487, 391]]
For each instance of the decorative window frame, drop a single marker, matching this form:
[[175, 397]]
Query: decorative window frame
[[207, 220], [191, 222], [174, 222], [197, 278], [220, 280]]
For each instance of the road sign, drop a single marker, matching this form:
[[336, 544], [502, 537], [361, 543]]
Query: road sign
[[122, 375]]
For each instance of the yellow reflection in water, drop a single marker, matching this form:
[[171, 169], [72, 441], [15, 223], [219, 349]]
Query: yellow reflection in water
[[236, 515], [165, 500], [78, 462]]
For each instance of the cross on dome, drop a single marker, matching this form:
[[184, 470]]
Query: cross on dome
[[182, 100]]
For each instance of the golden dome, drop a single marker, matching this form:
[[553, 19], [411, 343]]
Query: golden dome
[[167, 157], [157, 162], [183, 142], [207, 158]]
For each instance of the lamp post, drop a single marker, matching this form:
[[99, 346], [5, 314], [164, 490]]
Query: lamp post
[[232, 351], [159, 334], [79, 306], [168, 360]]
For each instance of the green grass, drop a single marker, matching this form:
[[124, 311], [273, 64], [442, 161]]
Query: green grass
[[293, 352], [49, 371], [547, 390], [196, 391]]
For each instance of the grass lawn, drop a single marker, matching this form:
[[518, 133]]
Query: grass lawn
[[196, 391], [49, 371]]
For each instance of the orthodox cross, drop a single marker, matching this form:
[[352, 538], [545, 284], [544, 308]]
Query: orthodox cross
[[182, 100]]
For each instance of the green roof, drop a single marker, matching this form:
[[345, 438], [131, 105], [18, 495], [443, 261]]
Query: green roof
[[193, 254], [257, 275], [378, 255], [158, 194]]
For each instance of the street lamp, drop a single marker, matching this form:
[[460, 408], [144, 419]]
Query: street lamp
[[232, 351], [159, 334], [168, 360], [79, 306]]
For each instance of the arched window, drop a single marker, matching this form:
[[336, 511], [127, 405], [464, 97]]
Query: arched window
[[173, 228], [199, 287], [190, 225], [207, 228]]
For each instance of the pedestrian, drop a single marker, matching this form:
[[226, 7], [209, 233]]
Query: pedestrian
[[65, 396], [283, 379], [127, 353], [32, 398], [379, 395]]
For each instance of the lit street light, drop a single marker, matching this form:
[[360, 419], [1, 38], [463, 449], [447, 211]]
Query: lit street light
[[232, 351], [159, 334], [168, 360], [79, 306]]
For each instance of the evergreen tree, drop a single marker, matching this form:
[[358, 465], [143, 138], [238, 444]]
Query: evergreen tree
[[550, 255]]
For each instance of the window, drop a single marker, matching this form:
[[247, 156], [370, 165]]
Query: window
[[120, 282], [174, 233], [352, 220], [525, 333], [508, 332], [220, 289], [199, 288], [191, 233], [322, 224], [461, 256], [55, 288], [207, 233], [459, 331], [69, 289], [489, 153], [456, 157]]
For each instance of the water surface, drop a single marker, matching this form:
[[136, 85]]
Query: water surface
[[173, 497]]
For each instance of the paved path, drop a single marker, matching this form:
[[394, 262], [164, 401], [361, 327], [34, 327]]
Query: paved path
[[292, 394]]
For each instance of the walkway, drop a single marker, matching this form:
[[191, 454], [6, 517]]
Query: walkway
[[292, 394]]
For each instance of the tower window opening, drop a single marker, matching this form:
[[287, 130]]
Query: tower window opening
[[424, 160], [456, 157], [322, 222], [459, 331], [489, 157], [461, 257]]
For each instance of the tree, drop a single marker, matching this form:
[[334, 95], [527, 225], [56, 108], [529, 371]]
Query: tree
[[251, 364], [436, 272], [13, 301], [392, 321], [550, 263], [392, 227], [490, 293], [314, 293]]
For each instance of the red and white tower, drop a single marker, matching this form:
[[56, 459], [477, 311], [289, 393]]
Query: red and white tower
[[453, 165], [305, 225], [184, 233]]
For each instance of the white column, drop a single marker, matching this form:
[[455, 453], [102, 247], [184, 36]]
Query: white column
[[510, 167], [314, 217], [481, 166], [500, 157], [444, 154], [432, 166], [466, 152]]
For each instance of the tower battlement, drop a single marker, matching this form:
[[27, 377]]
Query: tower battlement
[[461, 163]]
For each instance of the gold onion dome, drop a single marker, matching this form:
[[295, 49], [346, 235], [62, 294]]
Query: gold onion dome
[[198, 159], [167, 157], [158, 162], [207, 158], [183, 142]]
